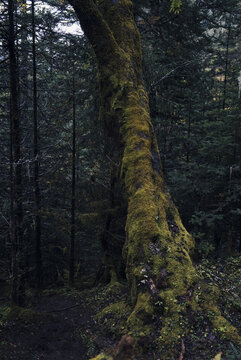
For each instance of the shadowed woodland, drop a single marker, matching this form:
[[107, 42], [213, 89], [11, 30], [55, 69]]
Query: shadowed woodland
[[120, 161]]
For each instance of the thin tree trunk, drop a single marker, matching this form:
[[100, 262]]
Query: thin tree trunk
[[12, 228], [38, 253], [72, 235], [18, 283], [189, 132], [239, 233], [226, 68]]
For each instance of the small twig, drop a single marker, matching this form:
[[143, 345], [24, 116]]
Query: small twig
[[59, 310], [182, 351], [113, 162], [4, 218], [153, 85]]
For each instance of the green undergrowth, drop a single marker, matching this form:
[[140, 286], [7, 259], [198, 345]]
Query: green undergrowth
[[23, 315], [103, 357], [108, 300], [19, 313], [205, 322], [224, 275], [114, 316]]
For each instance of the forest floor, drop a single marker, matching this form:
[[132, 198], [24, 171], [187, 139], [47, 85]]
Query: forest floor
[[58, 325], [67, 324]]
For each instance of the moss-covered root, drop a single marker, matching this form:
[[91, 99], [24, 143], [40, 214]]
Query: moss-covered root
[[173, 313], [221, 325], [123, 351], [203, 299], [149, 310]]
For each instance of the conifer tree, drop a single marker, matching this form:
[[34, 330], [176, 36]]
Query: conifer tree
[[16, 222]]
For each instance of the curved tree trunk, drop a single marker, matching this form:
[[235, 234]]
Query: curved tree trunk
[[157, 246]]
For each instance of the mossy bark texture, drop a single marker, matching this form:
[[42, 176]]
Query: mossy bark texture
[[157, 247]]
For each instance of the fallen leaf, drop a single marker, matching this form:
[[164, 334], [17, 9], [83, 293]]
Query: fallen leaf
[[218, 356]]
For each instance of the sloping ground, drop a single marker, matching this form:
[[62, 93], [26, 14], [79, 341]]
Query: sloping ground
[[46, 334], [59, 325], [70, 325]]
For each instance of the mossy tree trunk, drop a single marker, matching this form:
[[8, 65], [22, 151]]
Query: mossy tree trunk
[[157, 247]]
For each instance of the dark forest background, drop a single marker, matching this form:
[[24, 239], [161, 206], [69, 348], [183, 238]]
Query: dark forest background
[[55, 158]]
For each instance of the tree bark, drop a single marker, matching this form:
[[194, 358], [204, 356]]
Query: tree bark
[[157, 247], [16, 223], [38, 253], [189, 131], [72, 233], [226, 67]]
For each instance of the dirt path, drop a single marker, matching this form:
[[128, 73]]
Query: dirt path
[[61, 330]]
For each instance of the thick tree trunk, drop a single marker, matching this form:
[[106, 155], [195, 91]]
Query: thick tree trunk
[[157, 247]]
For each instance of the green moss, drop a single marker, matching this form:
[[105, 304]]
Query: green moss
[[142, 313], [102, 356], [151, 242], [220, 324], [113, 277], [19, 313], [170, 336], [117, 309], [223, 327], [113, 317], [115, 288], [149, 203]]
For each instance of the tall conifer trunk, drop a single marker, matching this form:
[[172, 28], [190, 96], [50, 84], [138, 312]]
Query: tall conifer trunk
[[73, 190], [16, 223], [226, 67], [37, 200]]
